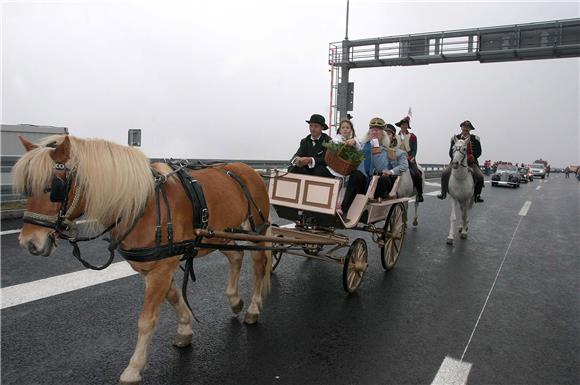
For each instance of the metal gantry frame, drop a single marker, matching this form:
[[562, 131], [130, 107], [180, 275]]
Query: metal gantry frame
[[530, 41]]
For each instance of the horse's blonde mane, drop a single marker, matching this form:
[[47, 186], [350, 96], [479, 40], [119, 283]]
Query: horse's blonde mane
[[116, 180]]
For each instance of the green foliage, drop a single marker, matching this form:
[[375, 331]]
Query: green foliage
[[348, 153]]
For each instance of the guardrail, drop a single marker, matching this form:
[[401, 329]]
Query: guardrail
[[7, 162]]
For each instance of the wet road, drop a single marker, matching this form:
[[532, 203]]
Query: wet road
[[504, 302]]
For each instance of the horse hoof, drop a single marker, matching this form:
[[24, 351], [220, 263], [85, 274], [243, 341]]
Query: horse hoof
[[182, 341], [129, 382], [238, 308], [415, 222], [449, 241], [250, 318], [463, 236]]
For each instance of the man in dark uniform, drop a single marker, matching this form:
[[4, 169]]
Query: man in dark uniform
[[473, 152], [309, 159]]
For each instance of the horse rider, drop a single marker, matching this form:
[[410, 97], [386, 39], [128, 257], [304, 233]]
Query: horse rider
[[408, 143], [380, 159], [473, 152], [309, 159]]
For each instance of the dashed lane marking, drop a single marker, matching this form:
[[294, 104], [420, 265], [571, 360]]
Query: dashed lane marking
[[6, 232], [524, 211], [432, 184], [48, 287], [539, 187], [452, 372]]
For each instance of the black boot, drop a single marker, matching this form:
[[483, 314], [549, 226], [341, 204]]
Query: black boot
[[442, 195], [478, 199]]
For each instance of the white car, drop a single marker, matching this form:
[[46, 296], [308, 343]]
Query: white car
[[538, 170]]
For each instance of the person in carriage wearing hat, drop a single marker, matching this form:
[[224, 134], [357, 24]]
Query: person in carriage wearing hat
[[408, 143], [473, 152], [309, 159], [380, 158]]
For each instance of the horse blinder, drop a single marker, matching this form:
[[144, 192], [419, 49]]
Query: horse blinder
[[58, 189]]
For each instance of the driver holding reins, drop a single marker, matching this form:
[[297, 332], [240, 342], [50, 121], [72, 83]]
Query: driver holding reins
[[473, 152]]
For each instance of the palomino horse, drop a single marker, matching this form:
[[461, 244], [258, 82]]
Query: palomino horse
[[406, 189], [113, 185], [461, 188]]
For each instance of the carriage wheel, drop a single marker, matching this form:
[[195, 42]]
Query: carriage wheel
[[393, 236], [276, 255], [355, 265]]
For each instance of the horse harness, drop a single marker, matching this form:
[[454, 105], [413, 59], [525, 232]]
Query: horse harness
[[60, 223]]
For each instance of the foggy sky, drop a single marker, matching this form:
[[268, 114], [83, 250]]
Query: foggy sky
[[236, 79]]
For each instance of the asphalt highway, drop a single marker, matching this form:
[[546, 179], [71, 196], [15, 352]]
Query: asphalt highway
[[498, 308]]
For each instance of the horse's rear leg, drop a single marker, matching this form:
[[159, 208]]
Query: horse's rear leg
[[452, 219], [158, 278], [235, 258], [415, 217], [184, 317], [262, 261]]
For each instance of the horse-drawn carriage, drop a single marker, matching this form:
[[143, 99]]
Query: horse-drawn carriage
[[310, 203], [158, 215]]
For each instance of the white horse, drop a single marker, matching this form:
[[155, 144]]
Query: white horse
[[406, 189], [461, 188]]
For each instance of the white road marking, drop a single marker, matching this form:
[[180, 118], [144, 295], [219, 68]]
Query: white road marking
[[432, 184], [491, 288], [525, 208], [432, 193], [539, 187], [289, 225], [452, 372], [6, 232], [48, 287]]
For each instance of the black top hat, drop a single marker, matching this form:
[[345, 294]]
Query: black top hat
[[467, 123], [315, 118], [406, 119], [391, 128]]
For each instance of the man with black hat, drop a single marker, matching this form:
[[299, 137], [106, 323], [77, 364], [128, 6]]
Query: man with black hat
[[309, 159], [473, 152], [408, 143]]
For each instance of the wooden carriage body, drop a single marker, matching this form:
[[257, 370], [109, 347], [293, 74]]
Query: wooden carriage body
[[293, 194]]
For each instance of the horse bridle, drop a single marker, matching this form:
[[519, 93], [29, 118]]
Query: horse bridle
[[59, 191], [464, 154]]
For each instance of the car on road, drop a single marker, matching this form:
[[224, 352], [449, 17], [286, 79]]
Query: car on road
[[525, 175], [506, 175], [539, 170]]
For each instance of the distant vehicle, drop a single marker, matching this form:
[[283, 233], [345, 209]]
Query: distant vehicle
[[506, 175], [525, 175], [539, 170]]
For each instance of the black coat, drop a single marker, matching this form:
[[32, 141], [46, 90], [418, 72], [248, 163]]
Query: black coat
[[473, 142], [316, 151]]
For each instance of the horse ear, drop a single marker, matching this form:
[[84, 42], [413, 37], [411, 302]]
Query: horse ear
[[62, 152], [28, 146], [454, 139]]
